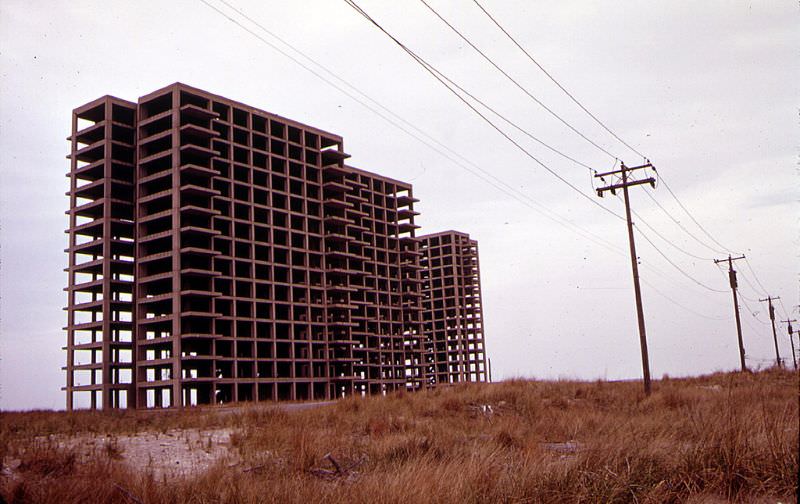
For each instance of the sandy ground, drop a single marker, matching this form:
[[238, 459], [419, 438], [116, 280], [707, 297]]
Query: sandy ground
[[176, 452]]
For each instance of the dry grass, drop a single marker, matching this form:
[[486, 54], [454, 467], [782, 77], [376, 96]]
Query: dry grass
[[725, 437]]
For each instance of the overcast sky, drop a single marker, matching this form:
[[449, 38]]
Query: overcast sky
[[707, 90]]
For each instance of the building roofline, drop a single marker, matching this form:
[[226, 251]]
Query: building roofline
[[384, 178], [442, 233], [98, 101], [179, 86]]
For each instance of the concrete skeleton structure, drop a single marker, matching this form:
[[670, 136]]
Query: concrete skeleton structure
[[220, 253], [452, 311]]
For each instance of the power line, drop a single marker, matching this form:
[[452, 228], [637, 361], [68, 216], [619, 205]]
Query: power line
[[577, 102], [723, 272], [677, 222], [750, 267], [783, 307], [607, 129], [723, 247], [680, 305], [514, 81], [562, 88], [662, 254], [533, 60], [752, 300], [439, 77], [753, 313], [499, 185], [564, 222], [676, 247], [673, 282], [471, 95], [675, 265], [444, 81], [755, 329], [764, 289], [755, 289]]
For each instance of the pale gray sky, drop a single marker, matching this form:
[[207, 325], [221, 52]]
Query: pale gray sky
[[707, 90]]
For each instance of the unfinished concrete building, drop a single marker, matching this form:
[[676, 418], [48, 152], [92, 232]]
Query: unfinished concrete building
[[453, 315], [219, 253]]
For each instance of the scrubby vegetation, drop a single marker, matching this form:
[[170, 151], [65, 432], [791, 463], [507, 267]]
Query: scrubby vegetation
[[719, 438]]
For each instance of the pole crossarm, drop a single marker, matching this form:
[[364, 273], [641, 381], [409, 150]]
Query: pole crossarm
[[769, 300], [624, 168], [613, 187], [717, 261]]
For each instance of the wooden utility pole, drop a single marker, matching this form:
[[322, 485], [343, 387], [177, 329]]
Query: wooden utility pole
[[769, 301], [791, 341], [624, 184], [490, 370], [734, 286]]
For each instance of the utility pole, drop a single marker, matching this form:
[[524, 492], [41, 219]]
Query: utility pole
[[769, 300], [734, 286], [623, 173], [794, 356], [490, 370]]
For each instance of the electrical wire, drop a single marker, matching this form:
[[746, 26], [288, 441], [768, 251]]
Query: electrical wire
[[749, 283], [663, 255], [562, 88], [463, 90], [486, 177], [676, 303], [683, 287], [755, 277], [676, 247], [748, 298], [739, 293], [683, 207], [783, 308], [515, 194], [652, 268], [577, 102], [678, 223], [598, 121], [753, 313], [444, 81], [643, 235], [514, 81]]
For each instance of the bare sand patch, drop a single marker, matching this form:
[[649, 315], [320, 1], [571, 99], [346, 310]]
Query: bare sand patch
[[172, 453]]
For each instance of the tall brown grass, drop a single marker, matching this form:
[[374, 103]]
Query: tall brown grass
[[724, 437]]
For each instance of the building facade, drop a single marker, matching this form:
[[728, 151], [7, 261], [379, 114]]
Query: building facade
[[453, 314], [219, 253]]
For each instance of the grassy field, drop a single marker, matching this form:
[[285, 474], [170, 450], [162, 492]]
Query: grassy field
[[719, 438]]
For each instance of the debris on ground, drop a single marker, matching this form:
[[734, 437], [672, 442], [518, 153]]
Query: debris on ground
[[339, 472], [564, 448]]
